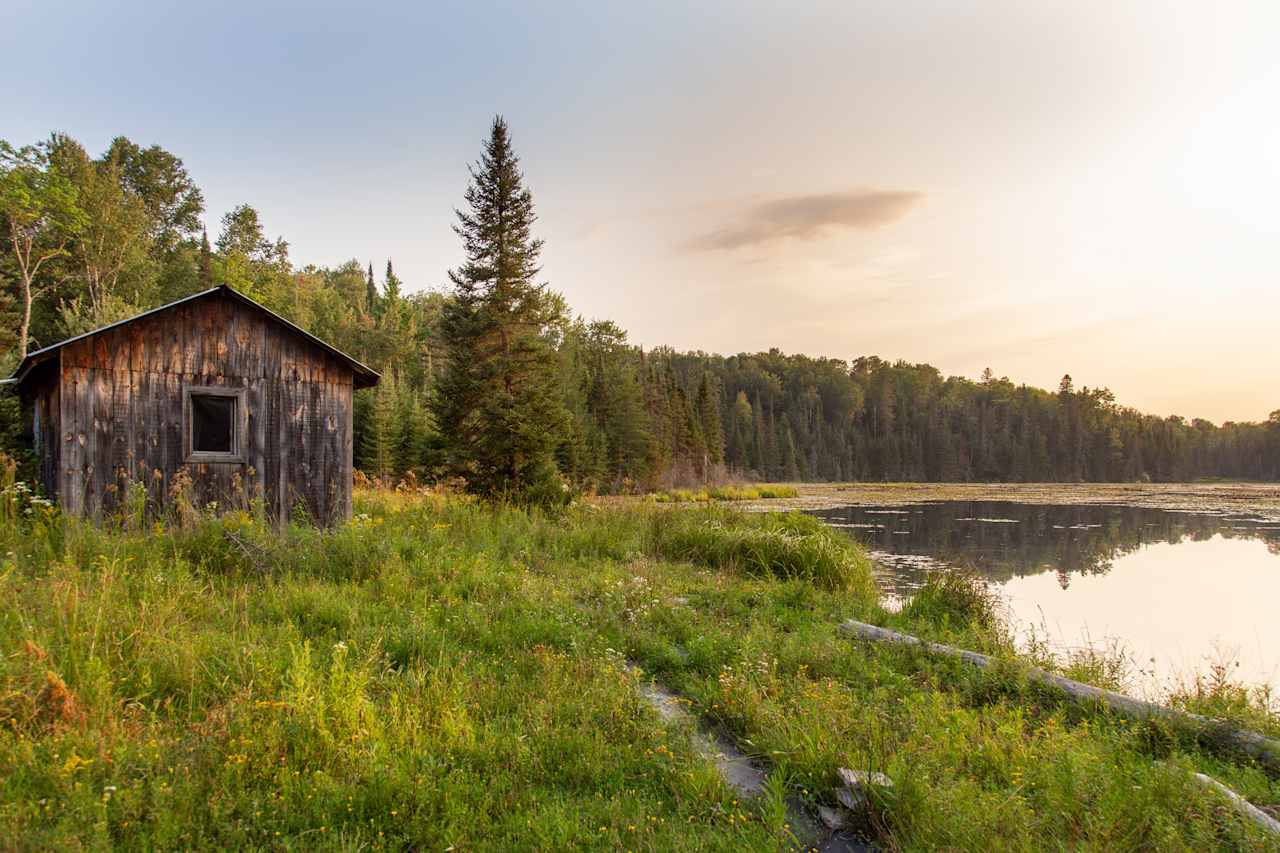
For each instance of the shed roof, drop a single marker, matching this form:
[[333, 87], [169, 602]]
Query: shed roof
[[363, 375]]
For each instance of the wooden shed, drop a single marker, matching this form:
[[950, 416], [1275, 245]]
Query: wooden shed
[[213, 389]]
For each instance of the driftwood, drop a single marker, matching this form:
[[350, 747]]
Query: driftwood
[[1264, 750]]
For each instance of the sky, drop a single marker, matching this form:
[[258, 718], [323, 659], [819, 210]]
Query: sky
[[1083, 187]]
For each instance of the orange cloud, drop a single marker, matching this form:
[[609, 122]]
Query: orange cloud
[[806, 217]]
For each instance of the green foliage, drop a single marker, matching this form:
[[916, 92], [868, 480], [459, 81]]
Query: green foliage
[[1217, 695], [788, 546], [41, 215], [530, 396], [112, 258], [442, 671], [13, 435], [373, 299], [609, 444], [171, 199], [764, 491], [499, 415], [954, 600], [378, 456]]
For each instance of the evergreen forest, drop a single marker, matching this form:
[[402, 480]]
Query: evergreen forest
[[489, 376]]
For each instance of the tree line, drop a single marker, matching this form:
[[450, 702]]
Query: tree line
[[494, 380]]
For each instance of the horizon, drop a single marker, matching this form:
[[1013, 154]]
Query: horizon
[[1080, 192]]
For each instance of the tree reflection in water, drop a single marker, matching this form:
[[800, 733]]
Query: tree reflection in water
[[1002, 539]]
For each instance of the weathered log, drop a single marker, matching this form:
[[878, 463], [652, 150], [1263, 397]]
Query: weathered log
[[1241, 805], [1264, 750]]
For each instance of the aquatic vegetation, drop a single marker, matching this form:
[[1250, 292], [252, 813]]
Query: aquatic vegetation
[[1261, 501]]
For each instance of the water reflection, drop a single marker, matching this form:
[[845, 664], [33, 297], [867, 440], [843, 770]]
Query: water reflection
[[1003, 540], [1179, 590]]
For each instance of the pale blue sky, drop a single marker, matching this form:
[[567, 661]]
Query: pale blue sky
[[1040, 187]]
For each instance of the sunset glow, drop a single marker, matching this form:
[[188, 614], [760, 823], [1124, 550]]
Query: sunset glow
[[1038, 188]]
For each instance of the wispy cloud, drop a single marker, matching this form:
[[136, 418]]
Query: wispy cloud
[[805, 217]]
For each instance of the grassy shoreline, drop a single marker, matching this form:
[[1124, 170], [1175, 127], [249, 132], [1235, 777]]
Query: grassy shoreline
[[707, 494], [441, 673]]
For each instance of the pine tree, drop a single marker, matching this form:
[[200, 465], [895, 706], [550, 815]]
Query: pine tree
[[708, 403], [759, 447], [413, 431], [381, 429], [742, 432], [497, 404], [391, 285], [206, 260], [371, 293]]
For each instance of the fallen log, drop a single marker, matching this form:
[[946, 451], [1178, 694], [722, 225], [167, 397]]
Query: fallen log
[[1264, 750], [1241, 805]]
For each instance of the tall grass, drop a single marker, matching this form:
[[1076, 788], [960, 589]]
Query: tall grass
[[960, 602], [443, 673], [1216, 694], [788, 546], [764, 491]]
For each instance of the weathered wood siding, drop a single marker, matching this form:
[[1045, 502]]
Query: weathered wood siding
[[48, 413], [122, 413]]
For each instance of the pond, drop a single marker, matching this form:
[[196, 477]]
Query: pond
[[1179, 591]]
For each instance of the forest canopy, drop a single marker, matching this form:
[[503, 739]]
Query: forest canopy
[[90, 239]]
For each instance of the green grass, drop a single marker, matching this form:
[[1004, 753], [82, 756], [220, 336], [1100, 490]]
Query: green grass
[[788, 547], [765, 491], [439, 673]]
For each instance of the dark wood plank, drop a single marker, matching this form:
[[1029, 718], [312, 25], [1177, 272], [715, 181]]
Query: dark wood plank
[[115, 413]]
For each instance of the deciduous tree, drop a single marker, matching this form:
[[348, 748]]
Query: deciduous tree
[[42, 217]]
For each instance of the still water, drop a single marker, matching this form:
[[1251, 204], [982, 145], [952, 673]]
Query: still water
[[1179, 591]]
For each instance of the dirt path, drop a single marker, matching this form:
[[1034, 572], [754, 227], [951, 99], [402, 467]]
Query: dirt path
[[741, 773]]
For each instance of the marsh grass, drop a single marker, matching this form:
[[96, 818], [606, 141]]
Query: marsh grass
[[438, 672], [763, 491], [963, 603], [1216, 694], [787, 546]]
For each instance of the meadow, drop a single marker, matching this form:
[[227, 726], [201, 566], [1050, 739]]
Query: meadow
[[440, 673]]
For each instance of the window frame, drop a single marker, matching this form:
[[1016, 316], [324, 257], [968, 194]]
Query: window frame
[[239, 424]]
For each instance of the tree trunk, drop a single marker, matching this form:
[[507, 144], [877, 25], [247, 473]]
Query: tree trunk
[[24, 327]]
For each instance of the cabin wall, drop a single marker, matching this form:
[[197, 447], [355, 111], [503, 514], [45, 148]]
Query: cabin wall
[[122, 414], [48, 413]]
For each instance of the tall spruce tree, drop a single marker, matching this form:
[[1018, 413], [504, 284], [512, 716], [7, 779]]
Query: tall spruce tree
[[497, 404], [391, 284], [708, 406], [371, 293], [206, 260], [381, 431]]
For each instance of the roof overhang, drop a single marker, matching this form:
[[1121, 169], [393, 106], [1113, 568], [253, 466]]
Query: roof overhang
[[363, 376]]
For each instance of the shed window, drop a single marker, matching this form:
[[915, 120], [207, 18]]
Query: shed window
[[213, 424], [215, 421]]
